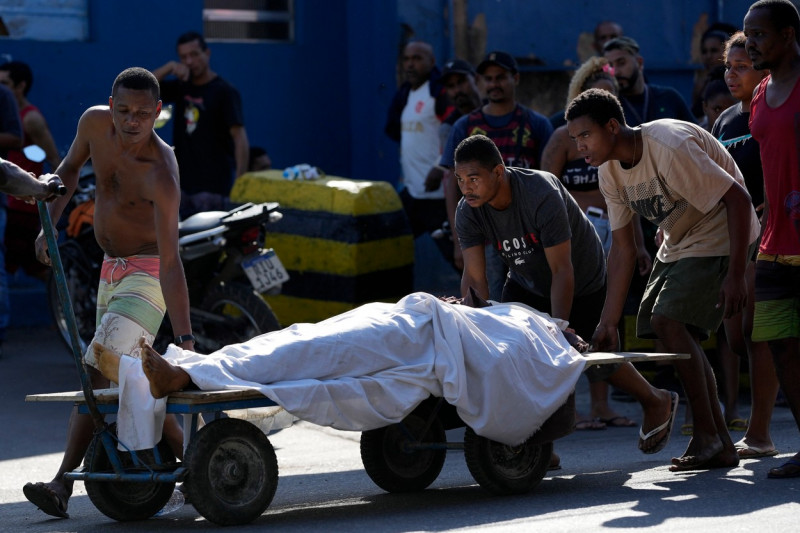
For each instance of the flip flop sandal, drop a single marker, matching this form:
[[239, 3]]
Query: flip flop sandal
[[46, 499], [590, 424], [618, 422], [737, 424], [744, 451], [790, 468], [689, 463], [662, 443]]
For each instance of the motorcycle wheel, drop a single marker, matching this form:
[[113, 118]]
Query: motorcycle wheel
[[82, 289], [231, 313]]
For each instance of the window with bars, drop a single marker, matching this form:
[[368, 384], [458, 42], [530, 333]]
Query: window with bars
[[248, 20]]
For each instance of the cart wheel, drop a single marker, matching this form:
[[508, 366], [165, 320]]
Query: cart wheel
[[503, 469], [125, 500], [394, 467], [232, 472]]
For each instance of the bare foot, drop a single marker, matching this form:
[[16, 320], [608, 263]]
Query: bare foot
[[712, 457], [603, 412], [107, 362], [587, 422], [164, 377]]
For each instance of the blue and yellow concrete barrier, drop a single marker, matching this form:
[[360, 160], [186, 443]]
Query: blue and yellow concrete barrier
[[344, 242]]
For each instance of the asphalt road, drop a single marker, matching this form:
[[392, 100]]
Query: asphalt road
[[605, 482]]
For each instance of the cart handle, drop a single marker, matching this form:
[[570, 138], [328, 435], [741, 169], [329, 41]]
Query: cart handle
[[69, 313]]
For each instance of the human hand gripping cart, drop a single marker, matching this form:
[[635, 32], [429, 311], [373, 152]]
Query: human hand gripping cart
[[230, 471]]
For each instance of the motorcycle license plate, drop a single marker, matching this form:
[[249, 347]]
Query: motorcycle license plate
[[265, 270]]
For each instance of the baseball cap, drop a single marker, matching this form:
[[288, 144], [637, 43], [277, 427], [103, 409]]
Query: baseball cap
[[501, 59], [457, 66], [622, 43]]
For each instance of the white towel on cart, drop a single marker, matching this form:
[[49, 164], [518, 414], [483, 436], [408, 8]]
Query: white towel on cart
[[142, 414], [505, 368]]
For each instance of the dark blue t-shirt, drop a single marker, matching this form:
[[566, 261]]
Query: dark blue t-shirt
[[732, 129]]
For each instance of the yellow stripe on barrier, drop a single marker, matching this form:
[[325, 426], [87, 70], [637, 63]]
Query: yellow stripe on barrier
[[331, 194], [343, 259], [291, 309]]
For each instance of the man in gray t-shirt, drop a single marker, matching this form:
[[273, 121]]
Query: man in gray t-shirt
[[555, 259], [541, 215]]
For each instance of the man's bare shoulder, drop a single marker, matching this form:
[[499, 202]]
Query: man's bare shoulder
[[164, 165], [96, 116], [165, 154], [97, 112]]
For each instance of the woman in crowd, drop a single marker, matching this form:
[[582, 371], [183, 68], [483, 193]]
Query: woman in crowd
[[712, 47], [733, 130]]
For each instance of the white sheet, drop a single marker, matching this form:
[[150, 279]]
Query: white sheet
[[505, 368]]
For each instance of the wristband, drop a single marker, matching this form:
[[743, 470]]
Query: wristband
[[180, 339]]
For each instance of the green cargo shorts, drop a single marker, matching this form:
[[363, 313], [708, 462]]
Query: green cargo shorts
[[687, 291]]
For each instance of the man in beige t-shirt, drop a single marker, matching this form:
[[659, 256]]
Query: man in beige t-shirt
[[676, 175]]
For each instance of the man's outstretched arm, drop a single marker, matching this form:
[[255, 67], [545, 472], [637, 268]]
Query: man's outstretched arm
[[18, 182]]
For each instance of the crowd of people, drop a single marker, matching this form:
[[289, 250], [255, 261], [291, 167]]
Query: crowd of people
[[668, 193], [628, 194]]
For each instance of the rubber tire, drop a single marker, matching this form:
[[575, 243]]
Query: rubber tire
[[256, 318], [120, 500], [503, 469], [391, 466], [232, 472]]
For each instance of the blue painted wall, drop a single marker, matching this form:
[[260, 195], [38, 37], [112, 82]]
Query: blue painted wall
[[299, 98], [549, 31]]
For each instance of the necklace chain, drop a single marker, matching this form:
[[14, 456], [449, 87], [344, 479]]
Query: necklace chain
[[633, 157]]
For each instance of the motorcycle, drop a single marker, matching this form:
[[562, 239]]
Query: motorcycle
[[227, 270]]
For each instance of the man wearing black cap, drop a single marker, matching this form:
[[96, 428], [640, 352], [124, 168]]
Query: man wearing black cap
[[518, 132], [641, 101], [458, 78]]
